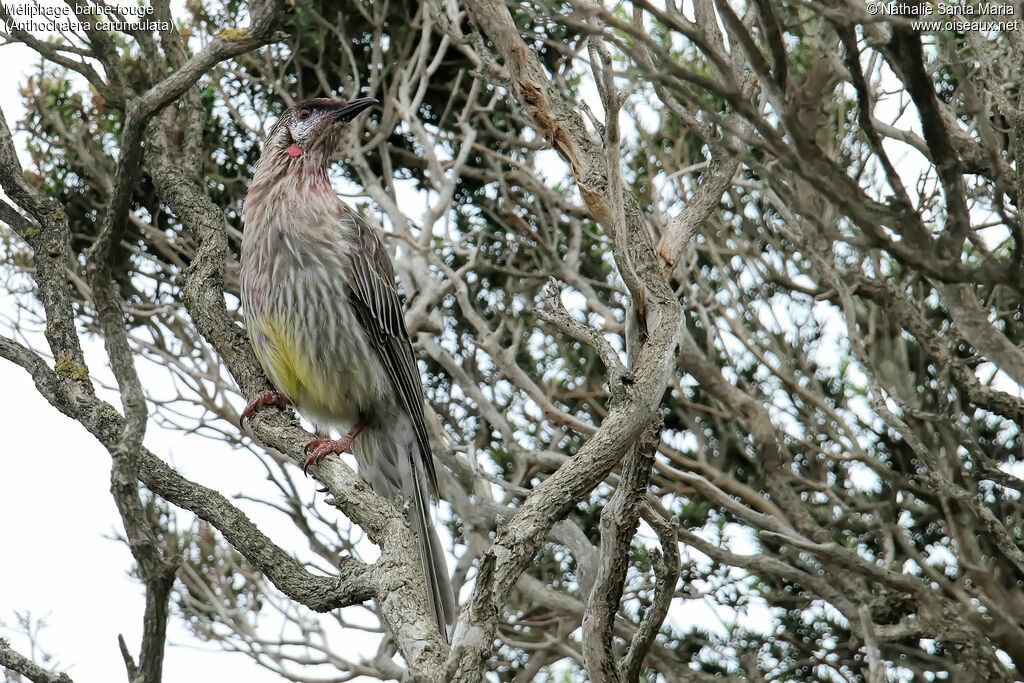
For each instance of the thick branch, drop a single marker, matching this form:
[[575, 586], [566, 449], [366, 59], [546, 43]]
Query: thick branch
[[666, 575], [908, 57], [51, 248], [618, 526], [19, 664]]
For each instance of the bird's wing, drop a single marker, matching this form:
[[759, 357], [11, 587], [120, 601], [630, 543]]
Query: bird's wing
[[373, 293]]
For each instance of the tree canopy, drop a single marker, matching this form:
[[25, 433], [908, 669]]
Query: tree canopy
[[717, 307]]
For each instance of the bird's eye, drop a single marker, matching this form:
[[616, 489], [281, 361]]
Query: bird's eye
[[303, 114]]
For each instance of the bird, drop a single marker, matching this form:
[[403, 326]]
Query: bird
[[325, 321]]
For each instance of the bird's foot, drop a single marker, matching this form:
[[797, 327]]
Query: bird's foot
[[321, 448], [267, 398]]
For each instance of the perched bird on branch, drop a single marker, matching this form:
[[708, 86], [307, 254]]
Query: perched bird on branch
[[325, 321]]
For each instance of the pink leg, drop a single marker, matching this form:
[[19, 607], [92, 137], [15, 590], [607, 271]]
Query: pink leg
[[323, 447], [267, 398]]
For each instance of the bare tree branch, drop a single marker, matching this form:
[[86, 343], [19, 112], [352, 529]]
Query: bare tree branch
[[618, 526], [11, 660]]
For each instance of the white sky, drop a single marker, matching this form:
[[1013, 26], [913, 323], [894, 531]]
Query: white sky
[[55, 509]]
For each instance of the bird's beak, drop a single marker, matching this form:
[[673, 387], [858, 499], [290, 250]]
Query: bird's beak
[[349, 111]]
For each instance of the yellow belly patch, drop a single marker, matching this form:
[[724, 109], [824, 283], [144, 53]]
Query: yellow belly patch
[[322, 396], [284, 362]]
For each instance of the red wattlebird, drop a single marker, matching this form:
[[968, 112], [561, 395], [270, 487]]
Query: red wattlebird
[[325, 321]]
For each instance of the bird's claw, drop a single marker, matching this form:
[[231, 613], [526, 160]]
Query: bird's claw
[[323, 447], [267, 398]]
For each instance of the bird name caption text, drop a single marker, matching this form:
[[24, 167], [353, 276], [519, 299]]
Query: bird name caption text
[[32, 17]]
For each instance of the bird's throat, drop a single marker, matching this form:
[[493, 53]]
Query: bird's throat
[[292, 182]]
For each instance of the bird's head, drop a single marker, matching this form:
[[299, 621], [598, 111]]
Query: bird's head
[[311, 129]]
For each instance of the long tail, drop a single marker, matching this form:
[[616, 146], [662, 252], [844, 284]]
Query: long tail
[[435, 566], [389, 460]]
